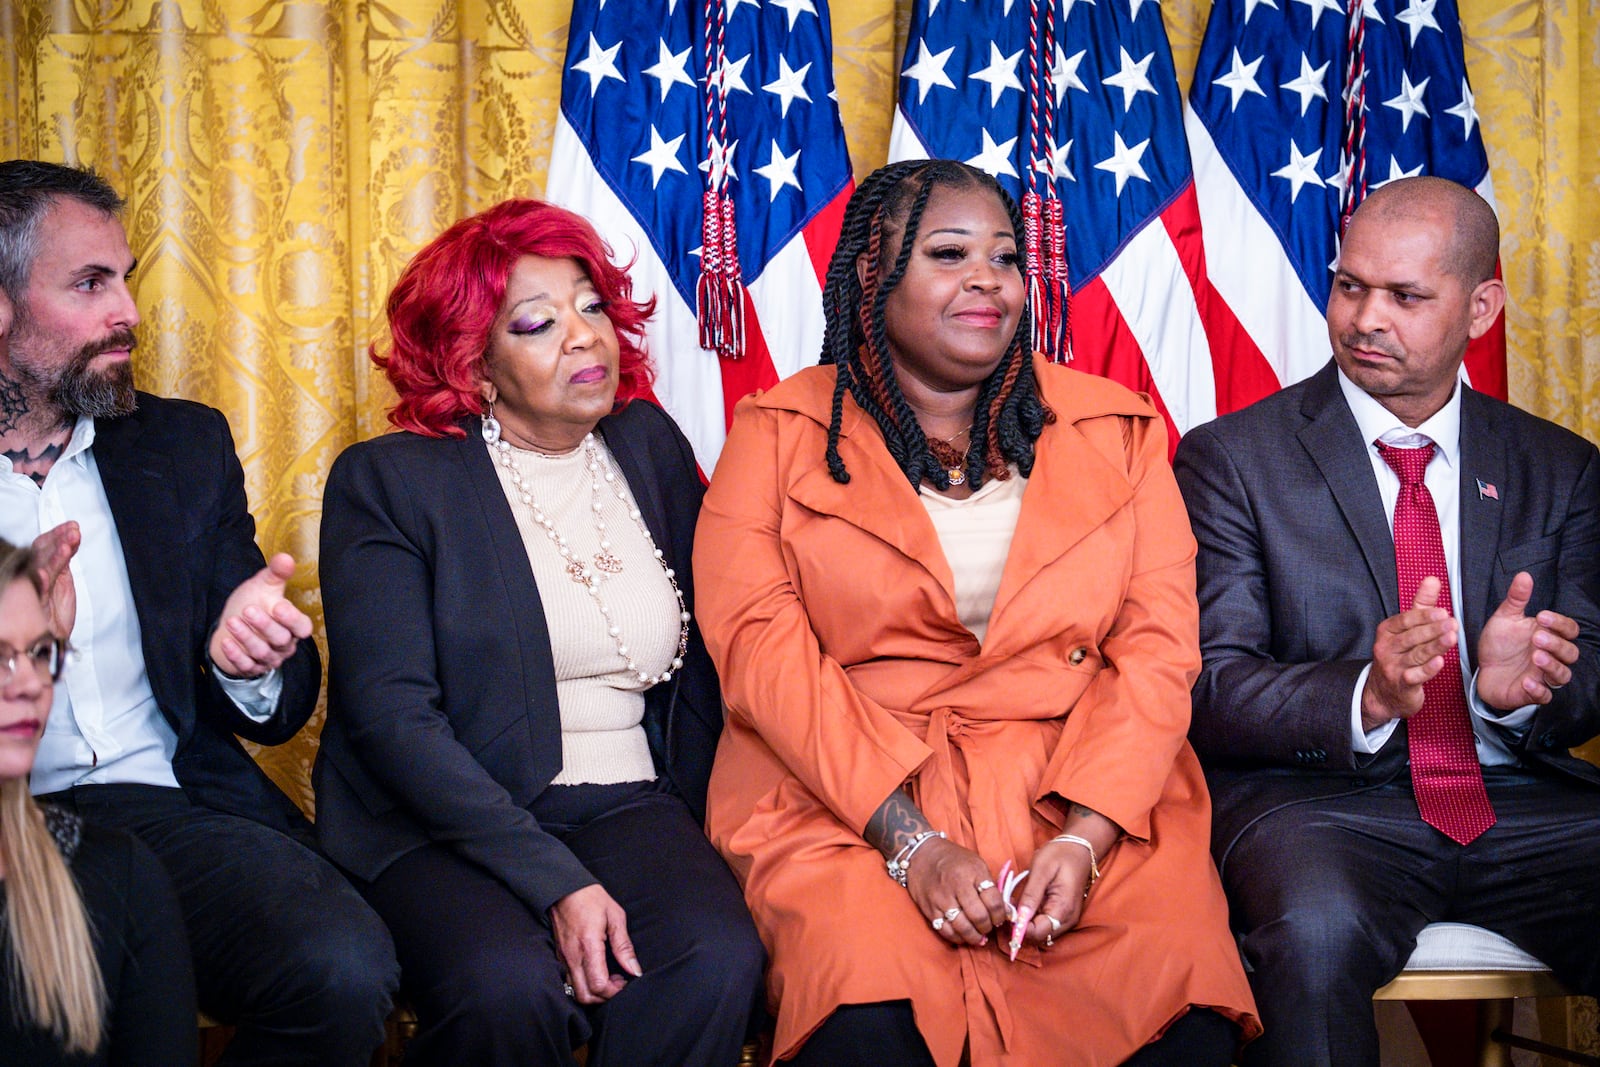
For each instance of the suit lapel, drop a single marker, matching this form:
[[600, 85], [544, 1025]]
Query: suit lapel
[[1072, 491], [1483, 458], [1334, 442], [506, 548], [626, 438], [878, 499], [506, 557], [142, 486], [639, 471], [143, 490]]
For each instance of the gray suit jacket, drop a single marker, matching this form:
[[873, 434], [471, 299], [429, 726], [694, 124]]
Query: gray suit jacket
[[1296, 569]]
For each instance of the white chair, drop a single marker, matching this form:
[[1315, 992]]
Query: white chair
[[1455, 961]]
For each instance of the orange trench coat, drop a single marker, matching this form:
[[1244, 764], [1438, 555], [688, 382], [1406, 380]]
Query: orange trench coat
[[829, 612]]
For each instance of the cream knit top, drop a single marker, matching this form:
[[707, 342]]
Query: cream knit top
[[601, 702], [975, 534]]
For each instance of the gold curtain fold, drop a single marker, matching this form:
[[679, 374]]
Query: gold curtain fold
[[282, 160]]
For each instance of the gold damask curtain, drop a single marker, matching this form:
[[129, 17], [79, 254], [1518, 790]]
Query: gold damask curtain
[[282, 160]]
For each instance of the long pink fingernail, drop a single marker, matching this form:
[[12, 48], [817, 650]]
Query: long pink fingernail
[[1018, 928]]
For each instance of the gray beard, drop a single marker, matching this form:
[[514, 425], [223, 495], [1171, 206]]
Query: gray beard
[[77, 391], [99, 396]]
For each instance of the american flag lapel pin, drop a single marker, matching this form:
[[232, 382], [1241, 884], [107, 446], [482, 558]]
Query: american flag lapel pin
[[1487, 491]]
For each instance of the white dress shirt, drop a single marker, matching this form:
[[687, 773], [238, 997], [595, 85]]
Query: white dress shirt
[[1490, 727], [104, 723]]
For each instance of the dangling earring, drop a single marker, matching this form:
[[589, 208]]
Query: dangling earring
[[491, 426]]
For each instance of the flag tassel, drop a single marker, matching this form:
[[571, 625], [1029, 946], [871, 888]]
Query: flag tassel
[[719, 290], [1037, 250], [732, 285], [1060, 326]]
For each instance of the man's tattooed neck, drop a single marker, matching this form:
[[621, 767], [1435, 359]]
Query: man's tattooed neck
[[13, 404], [36, 464]]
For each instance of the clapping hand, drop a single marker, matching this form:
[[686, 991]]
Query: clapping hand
[[260, 627], [52, 552], [1408, 650], [1523, 659]]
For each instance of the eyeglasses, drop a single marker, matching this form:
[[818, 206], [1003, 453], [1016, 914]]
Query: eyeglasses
[[48, 655]]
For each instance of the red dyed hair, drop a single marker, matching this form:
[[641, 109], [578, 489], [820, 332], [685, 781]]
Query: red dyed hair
[[444, 306]]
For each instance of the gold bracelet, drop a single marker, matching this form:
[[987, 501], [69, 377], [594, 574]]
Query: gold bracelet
[[1094, 861]]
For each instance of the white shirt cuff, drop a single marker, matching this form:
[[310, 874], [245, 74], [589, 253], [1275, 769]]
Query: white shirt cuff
[[1515, 721], [1366, 742], [256, 697]]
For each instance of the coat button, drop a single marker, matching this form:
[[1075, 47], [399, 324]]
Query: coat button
[[1078, 656], [1549, 739]]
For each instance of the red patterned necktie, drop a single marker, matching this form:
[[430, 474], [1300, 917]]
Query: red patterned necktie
[[1445, 773]]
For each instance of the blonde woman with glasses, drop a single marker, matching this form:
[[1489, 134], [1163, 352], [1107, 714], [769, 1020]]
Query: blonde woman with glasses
[[94, 968]]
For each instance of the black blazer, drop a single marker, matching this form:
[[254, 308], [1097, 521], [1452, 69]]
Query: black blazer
[[442, 716], [140, 944], [177, 495], [1296, 569]]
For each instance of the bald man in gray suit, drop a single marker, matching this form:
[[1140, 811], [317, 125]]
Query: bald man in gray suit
[[1316, 653]]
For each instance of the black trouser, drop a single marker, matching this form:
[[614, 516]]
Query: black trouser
[[284, 948], [1329, 897], [482, 970], [867, 1035]]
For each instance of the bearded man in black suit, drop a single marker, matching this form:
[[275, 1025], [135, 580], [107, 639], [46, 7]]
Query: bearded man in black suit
[[1379, 758], [183, 639]]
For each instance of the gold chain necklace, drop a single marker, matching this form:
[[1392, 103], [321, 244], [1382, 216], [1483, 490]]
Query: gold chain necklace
[[954, 469]]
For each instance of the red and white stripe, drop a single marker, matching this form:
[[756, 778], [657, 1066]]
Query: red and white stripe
[[1153, 320], [783, 305], [1252, 274]]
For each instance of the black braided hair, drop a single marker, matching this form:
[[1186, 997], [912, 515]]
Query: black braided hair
[[1009, 415]]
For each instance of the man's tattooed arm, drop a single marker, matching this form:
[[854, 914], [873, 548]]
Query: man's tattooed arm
[[894, 824]]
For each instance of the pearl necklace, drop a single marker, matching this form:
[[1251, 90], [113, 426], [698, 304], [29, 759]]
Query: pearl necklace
[[605, 562]]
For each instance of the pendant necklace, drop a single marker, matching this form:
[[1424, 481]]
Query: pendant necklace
[[950, 458]]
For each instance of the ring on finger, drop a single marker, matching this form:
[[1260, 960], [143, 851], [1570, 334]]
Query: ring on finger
[[566, 987], [952, 914], [1049, 941], [987, 883], [1055, 924], [937, 923]]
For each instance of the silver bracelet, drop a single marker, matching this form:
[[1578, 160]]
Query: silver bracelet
[[901, 864], [1094, 861]]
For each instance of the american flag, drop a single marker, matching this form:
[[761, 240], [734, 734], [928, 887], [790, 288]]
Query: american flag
[[1298, 108], [644, 117], [1077, 100]]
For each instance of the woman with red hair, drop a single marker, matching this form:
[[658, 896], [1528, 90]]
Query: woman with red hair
[[521, 714]]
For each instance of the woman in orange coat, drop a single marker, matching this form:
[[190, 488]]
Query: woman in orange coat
[[949, 588]]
